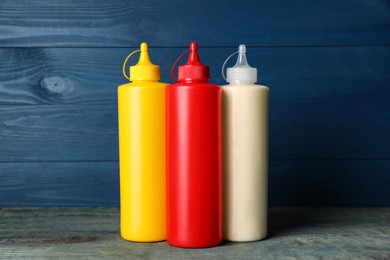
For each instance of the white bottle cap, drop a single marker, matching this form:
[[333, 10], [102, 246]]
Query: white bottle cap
[[241, 72]]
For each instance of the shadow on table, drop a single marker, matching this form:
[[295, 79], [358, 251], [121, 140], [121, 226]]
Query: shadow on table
[[290, 220]]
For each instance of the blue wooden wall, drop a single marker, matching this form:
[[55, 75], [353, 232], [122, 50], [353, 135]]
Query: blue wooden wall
[[327, 64]]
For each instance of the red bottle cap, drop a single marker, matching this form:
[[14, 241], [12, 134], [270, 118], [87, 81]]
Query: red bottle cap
[[193, 69]]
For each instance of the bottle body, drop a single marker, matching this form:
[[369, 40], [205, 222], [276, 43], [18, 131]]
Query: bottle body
[[194, 165], [142, 150], [245, 117]]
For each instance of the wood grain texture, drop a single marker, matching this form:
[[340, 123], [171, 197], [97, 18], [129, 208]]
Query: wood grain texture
[[59, 184], [175, 23], [297, 132], [295, 75], [329, 183], [353, 183], [93, 233], [59, 133]]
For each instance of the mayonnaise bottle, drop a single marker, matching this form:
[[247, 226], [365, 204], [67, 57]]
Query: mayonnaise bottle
[[245, 131]]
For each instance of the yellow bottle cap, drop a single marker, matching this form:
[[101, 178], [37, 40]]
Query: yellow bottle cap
[[144, 69]]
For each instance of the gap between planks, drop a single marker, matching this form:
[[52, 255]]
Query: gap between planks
[[202, 46]]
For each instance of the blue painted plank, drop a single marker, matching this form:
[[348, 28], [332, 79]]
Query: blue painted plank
[[330, 131], [176, 22], [58, 133], [295, 75], [59, 184], [297, 131], [333, 183], [347, 183]]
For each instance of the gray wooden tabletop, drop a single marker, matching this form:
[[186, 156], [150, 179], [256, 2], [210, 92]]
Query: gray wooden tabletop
[[295, 233]]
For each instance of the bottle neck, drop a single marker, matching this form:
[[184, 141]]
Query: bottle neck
[[144, 81], [193, 81], [242, 82]]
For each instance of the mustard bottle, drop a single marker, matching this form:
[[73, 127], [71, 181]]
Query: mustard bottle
[[141, 116]]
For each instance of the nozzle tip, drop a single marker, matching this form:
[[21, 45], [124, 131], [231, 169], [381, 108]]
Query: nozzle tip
[[242, 49], [193, 47], [144, 46]]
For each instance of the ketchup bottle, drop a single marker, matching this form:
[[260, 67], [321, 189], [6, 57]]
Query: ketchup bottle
[[194, 156]]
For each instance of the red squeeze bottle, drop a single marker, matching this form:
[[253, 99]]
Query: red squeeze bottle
[[194, 156]]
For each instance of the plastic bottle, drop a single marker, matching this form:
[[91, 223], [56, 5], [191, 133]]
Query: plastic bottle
[[245, 117], [142, 150], [194, 157]]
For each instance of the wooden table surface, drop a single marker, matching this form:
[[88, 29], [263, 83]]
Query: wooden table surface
[[295, 233]]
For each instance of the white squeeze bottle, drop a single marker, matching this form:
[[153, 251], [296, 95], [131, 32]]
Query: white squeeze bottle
[[245, 119]]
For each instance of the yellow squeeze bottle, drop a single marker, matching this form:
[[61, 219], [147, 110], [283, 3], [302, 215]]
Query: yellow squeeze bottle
[[141, 116]]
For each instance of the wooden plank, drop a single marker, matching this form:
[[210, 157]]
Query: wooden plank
[[59, 133], [295, 75], [330, 131], [93, 233], [297, 131], [347, 183], [59, 184], [324, 183], [167, 23]]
